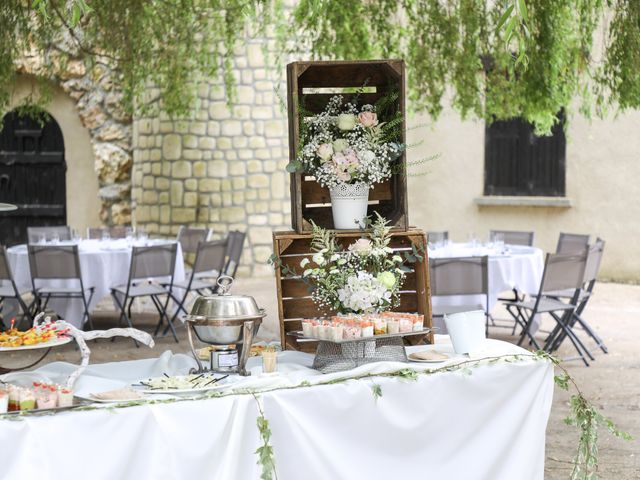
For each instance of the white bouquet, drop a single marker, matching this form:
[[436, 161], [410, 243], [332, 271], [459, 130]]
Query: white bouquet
[[347, 144]]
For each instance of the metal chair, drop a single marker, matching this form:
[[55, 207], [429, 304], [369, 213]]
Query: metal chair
[[459, 276], [209, 262], [235, 245], [63, 232], [148, 263], [98, 233], [561, 271], [189, 238], [591, 270], [58, 262], [572, 243], [512, 237], [437, 237], [8, 288]]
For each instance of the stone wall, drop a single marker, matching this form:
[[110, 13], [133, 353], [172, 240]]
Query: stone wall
[[224, 168], [98, 101]]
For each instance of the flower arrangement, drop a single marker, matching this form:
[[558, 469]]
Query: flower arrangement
[[364, 278], [345, 144]]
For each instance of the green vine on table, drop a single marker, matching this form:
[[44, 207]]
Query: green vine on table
[[587, 418], [266, 458]]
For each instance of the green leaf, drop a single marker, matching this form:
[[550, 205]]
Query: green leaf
[[522, 7], [505, 16], [377, 391]]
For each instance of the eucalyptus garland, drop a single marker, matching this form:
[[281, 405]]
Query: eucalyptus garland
[[499, 59]]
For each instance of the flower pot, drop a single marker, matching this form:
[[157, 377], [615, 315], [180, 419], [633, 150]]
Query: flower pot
[[467, 330], [349, 205]]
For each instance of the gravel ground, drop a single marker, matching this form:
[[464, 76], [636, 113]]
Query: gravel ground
[[612, 382]]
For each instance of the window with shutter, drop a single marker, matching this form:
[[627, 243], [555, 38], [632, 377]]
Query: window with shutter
[[518, 162]]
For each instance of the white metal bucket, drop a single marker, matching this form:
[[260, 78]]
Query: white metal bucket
[[349, 205]]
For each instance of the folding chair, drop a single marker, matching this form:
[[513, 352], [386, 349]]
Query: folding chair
[[98, 233], [572, 243], [512, 237], [437, 237], [189, 238], [209, 262], [561, 271], [8, 288], [591, 270], [235, 245], [459, 276], [63, 233], [58, 262], [148, 263]]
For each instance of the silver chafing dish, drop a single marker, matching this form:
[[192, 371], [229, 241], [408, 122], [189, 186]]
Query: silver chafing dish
[[225, 320]]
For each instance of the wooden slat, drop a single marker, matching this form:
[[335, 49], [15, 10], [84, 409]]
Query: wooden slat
[[312, 192]]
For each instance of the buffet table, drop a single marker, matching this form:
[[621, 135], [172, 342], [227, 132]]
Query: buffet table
[[104, 264], [485, 423]]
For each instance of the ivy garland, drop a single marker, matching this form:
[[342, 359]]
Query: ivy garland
[[584, 414], [499, 59]]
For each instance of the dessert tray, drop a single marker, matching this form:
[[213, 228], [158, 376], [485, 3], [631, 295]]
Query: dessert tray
[[300, 336]]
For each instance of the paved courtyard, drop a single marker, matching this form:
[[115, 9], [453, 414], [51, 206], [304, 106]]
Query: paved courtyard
[[612, 382]]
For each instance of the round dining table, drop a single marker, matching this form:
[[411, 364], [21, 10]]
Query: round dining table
[[104, 264], [509, 266]]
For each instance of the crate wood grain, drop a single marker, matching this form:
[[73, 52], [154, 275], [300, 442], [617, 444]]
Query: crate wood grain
[[310, 85], [294, 300]]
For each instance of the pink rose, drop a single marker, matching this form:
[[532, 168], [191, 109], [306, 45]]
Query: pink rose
[[350, 156], [339, 159], [324, 151], [362, 246], [342, 174], [368, 119]]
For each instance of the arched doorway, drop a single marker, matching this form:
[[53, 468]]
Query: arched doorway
[[32, 176]]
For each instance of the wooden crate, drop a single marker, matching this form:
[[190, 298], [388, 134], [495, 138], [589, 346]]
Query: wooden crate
[[294, 301], [310, 86]]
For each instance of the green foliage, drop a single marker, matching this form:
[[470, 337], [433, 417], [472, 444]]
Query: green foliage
[[376, 389], [266, 458], [500, 59]]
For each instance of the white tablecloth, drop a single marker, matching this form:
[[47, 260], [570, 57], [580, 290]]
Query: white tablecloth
[[104, 264], [518, 266], [489, 425]]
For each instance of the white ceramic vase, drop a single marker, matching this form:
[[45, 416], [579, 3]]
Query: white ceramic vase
[[349, 205], [467, 330]]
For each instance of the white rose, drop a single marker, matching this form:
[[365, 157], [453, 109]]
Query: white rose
[[324, 151], [347, 121], [367, 156], [362, 246], [339, 145], [318, 259]]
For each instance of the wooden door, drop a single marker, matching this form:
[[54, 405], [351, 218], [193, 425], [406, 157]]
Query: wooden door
[[32, 176]]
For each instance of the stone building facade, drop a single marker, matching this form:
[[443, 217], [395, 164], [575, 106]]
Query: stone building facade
[[223, 168], [94, 89]]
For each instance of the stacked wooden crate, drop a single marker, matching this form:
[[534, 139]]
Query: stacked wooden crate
[[310, 86]]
